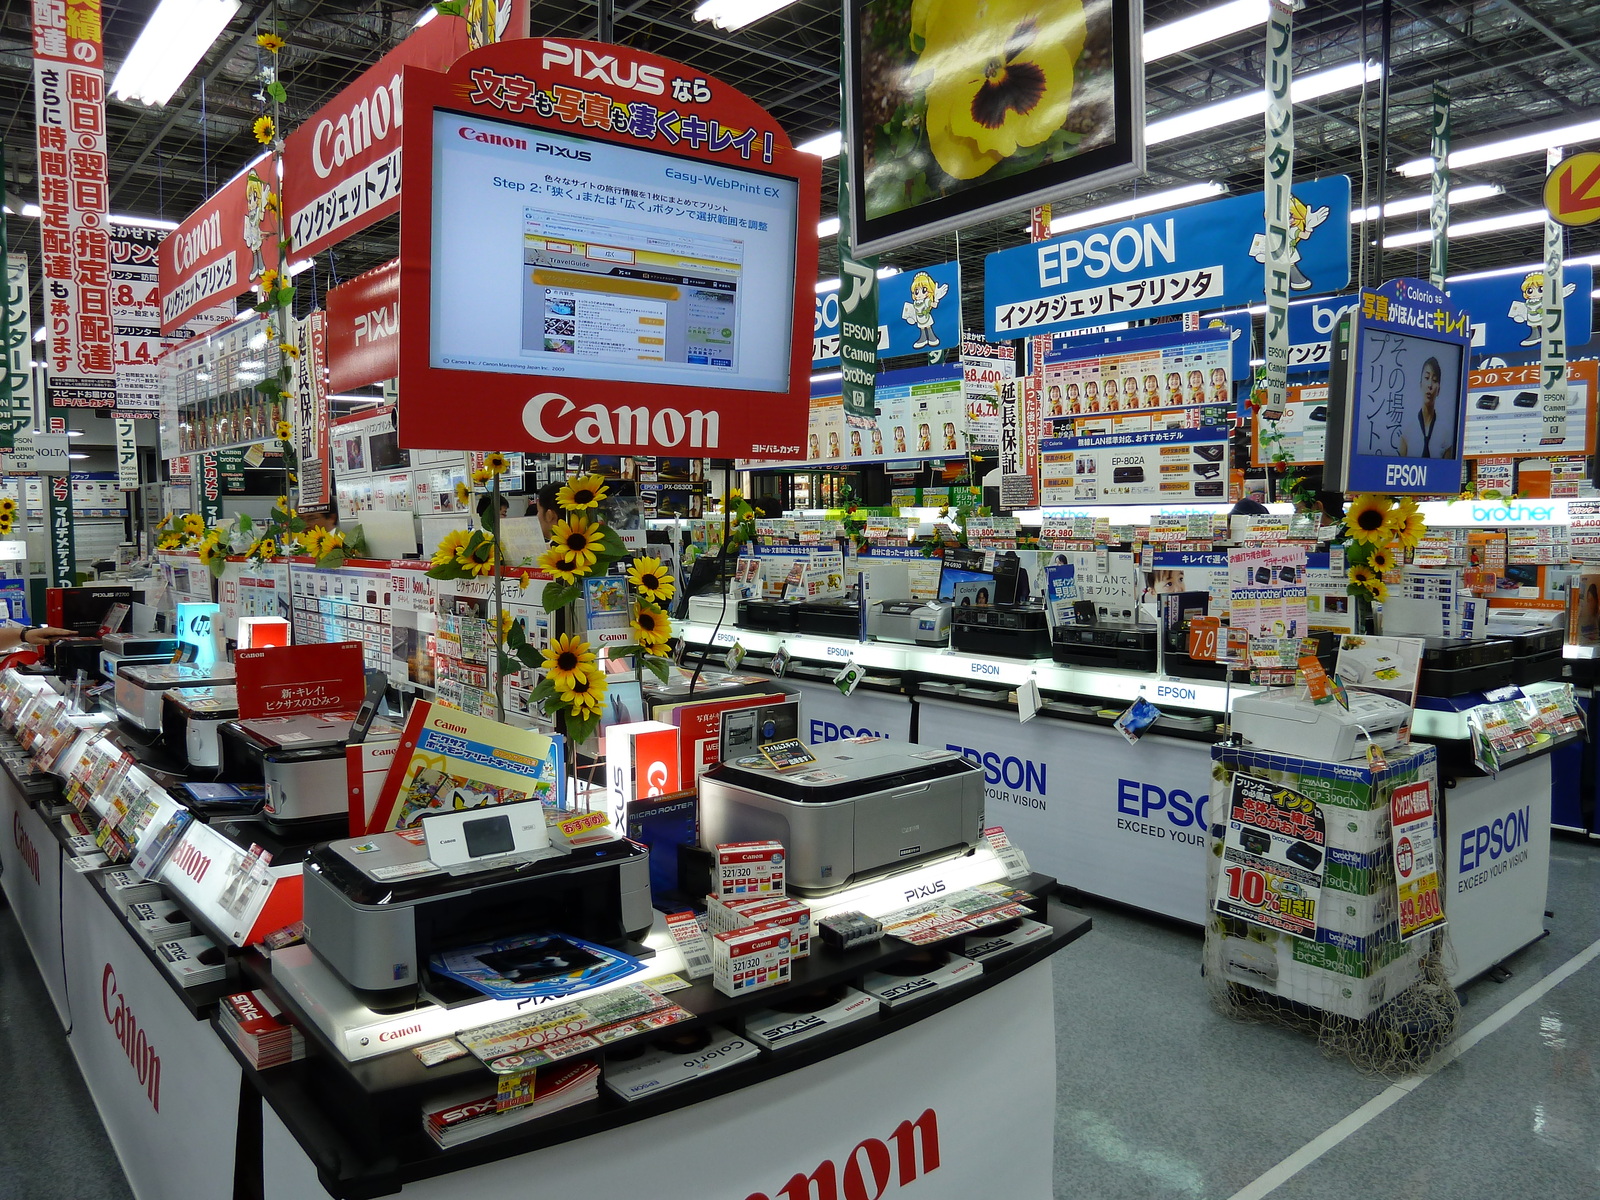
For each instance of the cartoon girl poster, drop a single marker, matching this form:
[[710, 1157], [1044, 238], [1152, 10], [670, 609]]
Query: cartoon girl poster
[[1529, 310], [918, 311]]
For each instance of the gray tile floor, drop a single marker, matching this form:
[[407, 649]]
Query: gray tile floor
[[1159, 1096]]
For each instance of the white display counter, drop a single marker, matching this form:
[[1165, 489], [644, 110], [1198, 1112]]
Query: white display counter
[[30, 872]]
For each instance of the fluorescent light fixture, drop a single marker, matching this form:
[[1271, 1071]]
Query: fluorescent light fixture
[[32, 210], [75, 433], [1209, 25], [1413, 204], [826, 376], [1524, 143], [826, 145], [1254, 103], [425, 16], [38, 334], [828, 226], [142, 222], [77, 456], [736, 14], [176, 38], [832, 285], [1516, 220], [300, 267], [1135, 206]]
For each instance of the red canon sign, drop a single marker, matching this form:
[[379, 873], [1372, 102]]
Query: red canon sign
[[364, 329], [142, 1056], [872, 1168]]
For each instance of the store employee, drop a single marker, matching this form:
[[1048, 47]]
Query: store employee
[[33, 636]]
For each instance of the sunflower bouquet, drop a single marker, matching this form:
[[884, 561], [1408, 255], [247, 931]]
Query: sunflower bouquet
[[188, 532], [1379, 531], [8, 514]]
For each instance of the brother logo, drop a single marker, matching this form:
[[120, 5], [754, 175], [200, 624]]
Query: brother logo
[[1512, 514]]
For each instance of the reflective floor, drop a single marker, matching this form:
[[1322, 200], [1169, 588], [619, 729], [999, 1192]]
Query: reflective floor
[[1162, 1097], [1159, 1096]]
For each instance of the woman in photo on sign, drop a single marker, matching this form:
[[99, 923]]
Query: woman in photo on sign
[[1428, 417]]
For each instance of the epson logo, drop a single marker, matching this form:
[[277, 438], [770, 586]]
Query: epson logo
[[925, 891], [1020, 773], [1143, 800], [586, 64], [1170, 691], [1127, 249], [1495, 839], [827, 731], [619, 426], [491, 139], [562, 151], [1405, 475]]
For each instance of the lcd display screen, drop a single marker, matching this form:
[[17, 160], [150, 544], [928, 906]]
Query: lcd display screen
[[556, 255], [1407, 396], [488, 835]]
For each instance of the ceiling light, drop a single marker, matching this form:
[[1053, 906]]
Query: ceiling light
[[141, 222], [825, 145], [425, 16], [736, 14], [77, 456], [1135, 206], [1412, 204], [828, 226], [827, 285], [31, 210], [38, 334], [1210, 25], [299, 267], [1516, 220], [1523, 143], [176, 38], [1254, 103]]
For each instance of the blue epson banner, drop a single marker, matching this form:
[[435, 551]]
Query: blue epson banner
[[917, 310], [1207, 256]]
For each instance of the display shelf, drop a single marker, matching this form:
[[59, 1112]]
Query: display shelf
[[301, 1100]]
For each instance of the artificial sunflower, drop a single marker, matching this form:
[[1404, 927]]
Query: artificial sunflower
[[1378, 590], [311, 542], [283, 504], [506, 620], [266, 548], [272, 204], [1368, 519], [450, 546], [480, 477], [211, 550], [169, 542], [477, 557], [555, 562], [998, 76], [270, 42], [1381, 560], [194, 524], [5, 525], [584, 492], [650, 577], [264, 129], [1362, 576], [8, 507], [651, 628], [586, 693], [463, 494], [269, 280], [289, 350], [565, 658], [283, 429], [526, 579], [496, 463], [1406, 524], [578, 538]]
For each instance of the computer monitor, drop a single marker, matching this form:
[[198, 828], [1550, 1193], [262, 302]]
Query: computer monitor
[[389, 534]]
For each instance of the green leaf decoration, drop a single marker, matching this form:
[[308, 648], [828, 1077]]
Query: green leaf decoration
[[559, 595], [509, 665], [332, 560], [246, 524], [628, 651], [449, 570], [661, 668], [278, 92], [580, 729]]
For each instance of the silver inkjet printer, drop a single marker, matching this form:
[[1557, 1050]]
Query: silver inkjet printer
[[117, 649], [191, 721], [916, 622], [140, 688], [300, 760], [376, 908], [863, 809]]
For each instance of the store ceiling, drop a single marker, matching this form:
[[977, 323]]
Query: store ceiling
[[1509, 64]]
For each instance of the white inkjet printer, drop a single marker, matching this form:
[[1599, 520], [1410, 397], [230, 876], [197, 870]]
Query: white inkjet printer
[[1283, 721], [191, 719], [300, 759], [140, 688], [863, 809], [917, 622], [117, 649], [377, 907]]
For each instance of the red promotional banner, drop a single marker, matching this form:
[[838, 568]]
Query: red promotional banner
[[219, 250], [286, 681], [69, 94], [364, 329], [136, 314], [624, 262]]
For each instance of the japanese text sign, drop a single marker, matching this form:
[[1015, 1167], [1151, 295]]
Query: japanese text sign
[[285, 681]]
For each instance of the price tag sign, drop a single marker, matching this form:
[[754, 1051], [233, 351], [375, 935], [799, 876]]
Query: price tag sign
[[1203, 633]]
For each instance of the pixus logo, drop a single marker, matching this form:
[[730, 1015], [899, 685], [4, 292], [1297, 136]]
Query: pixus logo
[[378, 325], [571, 152], [547, 418], [871, 1168], [586, 64]]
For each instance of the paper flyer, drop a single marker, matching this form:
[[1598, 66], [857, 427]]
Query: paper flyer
[[1416, 858], [1267, 590], [450, 760], [1061, 590], [1273, 857]]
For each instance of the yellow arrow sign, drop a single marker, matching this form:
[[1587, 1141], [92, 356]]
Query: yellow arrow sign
[[1572, 190]]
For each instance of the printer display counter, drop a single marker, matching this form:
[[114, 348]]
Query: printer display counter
[[30, 870], [746, 1127]]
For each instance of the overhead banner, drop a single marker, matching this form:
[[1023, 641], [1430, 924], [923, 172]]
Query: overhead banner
[[1439, 189], [136, 316], [1553, 331], [219, 249], [127, 455], [364, 329], [1205, 256], [315, 486], [18, 415], [917, 310], [1278, 244], [956, 113], [58, 510], [210, 488], [74, 248], [628, 249]]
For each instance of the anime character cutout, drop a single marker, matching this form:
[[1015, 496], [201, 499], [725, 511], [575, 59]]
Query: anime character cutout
[[1529, 310], [259, 204], [918, 311], [1303, 222]]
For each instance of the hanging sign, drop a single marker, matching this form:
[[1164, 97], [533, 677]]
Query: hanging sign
[[210, 488], [136, 313], [314, 487], [621, 260], [1553, 331], [1572, 191], [1439, 191], [364, 329], [127, 455], [74, 249], [1205, 256], [1279, 242], [18, 415], [917, 310], [220, 249], [63, 554]]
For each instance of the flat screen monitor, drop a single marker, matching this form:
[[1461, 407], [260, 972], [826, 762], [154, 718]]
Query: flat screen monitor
[[389, 534], [561, 255]]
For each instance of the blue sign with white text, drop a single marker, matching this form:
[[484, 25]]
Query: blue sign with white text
[[917, 310], [1207, 256]]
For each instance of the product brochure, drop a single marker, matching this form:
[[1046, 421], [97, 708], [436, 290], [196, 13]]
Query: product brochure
[[545, 964]]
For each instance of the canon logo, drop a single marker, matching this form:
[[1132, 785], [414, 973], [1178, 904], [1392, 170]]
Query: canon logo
[[142, 1057], [191, 862], [189, 248], [378, 325], [619, 426], [395, 1034], [25, 846], [491, 139], [370, 119], [871, 1167], [586, 64], [445, 725]]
